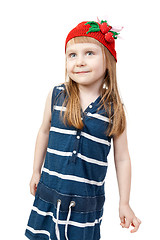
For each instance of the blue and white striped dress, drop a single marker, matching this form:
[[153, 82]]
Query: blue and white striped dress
[[70, 195]]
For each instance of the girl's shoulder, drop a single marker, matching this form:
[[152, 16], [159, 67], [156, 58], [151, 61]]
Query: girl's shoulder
[[60, 86], [57, 91]]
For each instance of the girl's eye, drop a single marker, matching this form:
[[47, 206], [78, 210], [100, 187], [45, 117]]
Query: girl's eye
[[72, 55], [90, 53]]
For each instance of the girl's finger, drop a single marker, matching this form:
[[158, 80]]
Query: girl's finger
[[139, 220], [122, 222], [136, 225], [127, 224]]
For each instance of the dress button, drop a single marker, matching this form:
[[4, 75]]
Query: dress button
[[78, 137], [74, 151], [90, 106]]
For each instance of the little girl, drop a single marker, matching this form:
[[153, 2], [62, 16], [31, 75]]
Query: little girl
[[81, 117]]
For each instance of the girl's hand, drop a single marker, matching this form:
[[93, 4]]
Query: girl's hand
[[34, 182], [128, 217]]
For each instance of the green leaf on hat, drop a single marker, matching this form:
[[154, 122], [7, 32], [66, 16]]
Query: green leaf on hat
[[94, 27], [114, 34], [102, 21]]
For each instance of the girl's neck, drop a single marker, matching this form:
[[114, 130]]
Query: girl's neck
[[90, 91]]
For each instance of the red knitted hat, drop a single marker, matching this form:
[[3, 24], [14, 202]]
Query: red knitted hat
[[101, 31]]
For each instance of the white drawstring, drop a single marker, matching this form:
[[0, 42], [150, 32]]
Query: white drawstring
[[72, 203], [57, 229]]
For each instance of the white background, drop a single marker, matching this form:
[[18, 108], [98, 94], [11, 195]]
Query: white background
[[32, 37]]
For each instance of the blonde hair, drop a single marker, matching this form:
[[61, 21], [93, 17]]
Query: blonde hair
[[110, 98]]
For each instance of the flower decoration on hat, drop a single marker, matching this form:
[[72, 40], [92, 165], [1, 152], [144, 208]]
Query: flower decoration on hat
[[109, 32]]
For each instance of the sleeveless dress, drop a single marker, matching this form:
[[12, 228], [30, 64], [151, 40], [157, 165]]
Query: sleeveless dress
[[70, 196]]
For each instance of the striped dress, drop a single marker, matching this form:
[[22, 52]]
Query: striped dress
[[70, 195]]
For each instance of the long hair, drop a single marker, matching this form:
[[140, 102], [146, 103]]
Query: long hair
[[110, 98]]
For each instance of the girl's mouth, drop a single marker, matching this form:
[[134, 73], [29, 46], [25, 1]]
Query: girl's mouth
[[81, 72]]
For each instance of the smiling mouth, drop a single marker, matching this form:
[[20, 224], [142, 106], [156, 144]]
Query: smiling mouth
[[81, 72]]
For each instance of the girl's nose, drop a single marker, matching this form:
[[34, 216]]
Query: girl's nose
[[80, 60]]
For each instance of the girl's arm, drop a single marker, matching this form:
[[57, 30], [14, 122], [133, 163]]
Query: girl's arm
[[41, 145], [123, 166], [123, 172]]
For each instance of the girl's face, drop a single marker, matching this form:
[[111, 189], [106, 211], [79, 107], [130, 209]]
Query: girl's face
[[85, 63]]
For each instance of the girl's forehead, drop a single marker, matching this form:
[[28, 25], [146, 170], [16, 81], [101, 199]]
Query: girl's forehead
[[74, 46]]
